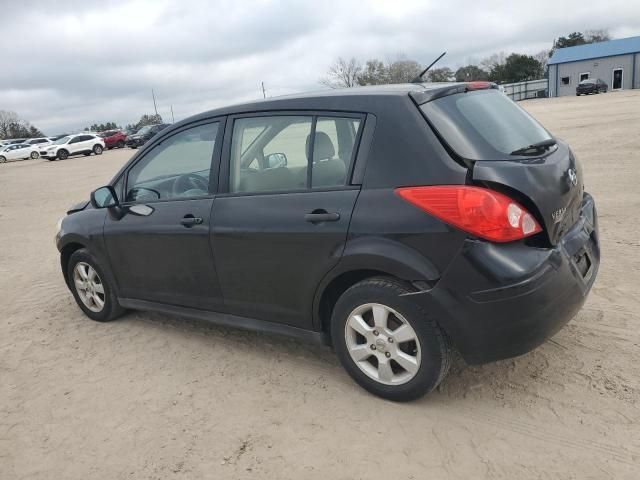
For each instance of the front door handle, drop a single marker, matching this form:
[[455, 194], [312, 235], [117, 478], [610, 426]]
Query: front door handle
[[319, 216], [189, 221]]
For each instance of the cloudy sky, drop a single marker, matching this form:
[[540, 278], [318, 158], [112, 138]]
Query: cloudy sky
[[68, 64]]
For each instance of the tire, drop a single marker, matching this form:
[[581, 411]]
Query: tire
[[426, 351], [34, 155], [106, 307], [97, 149], [3, 159], [62, 154], [120, 144]]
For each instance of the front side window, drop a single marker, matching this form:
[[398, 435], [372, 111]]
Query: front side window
[[178, 167]]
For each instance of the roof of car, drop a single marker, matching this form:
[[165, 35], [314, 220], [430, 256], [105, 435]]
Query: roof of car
[[330, 99]]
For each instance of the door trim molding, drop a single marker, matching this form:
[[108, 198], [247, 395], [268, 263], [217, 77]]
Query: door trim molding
[[227, 320]]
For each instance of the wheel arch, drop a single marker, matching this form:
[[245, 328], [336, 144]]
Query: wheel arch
[[65, 254], [370, 258]]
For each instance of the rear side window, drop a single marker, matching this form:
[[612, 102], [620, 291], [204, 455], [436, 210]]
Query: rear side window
[[483, 124], [274, 153]]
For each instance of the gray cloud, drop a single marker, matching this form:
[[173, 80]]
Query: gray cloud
[[68, 64]]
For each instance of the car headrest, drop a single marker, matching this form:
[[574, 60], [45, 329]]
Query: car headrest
[[322, 147]]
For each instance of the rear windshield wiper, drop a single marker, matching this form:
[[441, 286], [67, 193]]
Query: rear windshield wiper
[[535, 147]]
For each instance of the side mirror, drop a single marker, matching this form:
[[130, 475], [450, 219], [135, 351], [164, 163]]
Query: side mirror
[[104, 197], [276, 160]]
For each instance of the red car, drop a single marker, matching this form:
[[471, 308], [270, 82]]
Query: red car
[[114, 139]]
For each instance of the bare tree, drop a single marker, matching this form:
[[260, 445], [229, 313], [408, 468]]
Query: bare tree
[[342, 73], [491, 62], [7, 121], [598, 35], [543, 57]]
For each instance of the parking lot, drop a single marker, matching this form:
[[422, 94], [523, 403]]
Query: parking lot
[[152, 396]]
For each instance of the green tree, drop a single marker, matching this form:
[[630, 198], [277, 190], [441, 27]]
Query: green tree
[[579, 38], [517, 68], [102, 127], [444, 74], [469, 73], [373, 73], [11, 126]]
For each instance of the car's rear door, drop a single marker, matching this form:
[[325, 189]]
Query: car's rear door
[[283, 221], [159, 249]]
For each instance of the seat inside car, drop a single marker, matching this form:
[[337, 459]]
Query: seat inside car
[[327, 170]]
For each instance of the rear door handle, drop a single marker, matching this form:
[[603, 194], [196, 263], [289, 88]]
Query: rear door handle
[[189, 221], [319, 216]]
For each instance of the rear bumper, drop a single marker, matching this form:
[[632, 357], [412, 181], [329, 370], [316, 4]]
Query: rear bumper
[[498, 301]]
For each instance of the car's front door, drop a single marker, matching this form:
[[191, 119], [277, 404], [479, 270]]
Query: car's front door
[[159, 248], [282, 222], [74, 145]]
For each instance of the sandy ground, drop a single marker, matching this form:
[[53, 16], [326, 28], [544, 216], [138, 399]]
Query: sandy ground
[[151, 396]]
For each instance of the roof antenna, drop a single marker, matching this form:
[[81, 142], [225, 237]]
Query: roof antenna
[[418, 79]]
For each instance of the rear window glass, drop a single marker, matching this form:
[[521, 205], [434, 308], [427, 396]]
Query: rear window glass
[[483, 124]]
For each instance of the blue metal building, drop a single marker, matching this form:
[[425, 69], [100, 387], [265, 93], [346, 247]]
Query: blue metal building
[[617, 62]]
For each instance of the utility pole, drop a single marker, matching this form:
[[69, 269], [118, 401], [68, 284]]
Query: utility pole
[[173, 120], [153, 95], [264, 92]]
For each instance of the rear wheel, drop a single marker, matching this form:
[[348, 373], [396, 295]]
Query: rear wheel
[[34, 155], [97, 149], [90, 287], [386, 342], [63, 154]]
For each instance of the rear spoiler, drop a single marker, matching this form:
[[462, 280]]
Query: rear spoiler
[[428, 95]]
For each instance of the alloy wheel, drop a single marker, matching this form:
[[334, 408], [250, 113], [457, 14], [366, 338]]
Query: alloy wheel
[[89, 286], [382, 344]]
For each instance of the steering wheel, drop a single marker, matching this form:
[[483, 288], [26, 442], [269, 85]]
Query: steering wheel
[[190, 184]]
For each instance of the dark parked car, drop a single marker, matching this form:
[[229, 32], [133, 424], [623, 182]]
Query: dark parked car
[[591, 85], [395, 223], [114, 139], [145, 134]]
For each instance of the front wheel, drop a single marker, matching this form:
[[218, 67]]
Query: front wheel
[[3, 159], [386, 342], [97, 149], [90, 287], [120, 144], [34, 155], [62, 154]]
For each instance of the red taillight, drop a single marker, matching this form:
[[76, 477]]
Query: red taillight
[[478, 85], [479, 211]]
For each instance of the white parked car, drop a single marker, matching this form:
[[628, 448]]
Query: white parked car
[[19, 151], [40, 142], [82, 143]]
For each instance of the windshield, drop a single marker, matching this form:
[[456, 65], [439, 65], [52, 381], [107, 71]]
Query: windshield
[[588, 80], [144, 130], [62, 141], [483, 124]]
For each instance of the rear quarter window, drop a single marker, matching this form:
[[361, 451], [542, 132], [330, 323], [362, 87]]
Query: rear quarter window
[[483, 124]]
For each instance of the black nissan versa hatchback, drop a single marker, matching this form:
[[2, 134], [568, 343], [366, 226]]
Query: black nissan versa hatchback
[[395, 223]]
